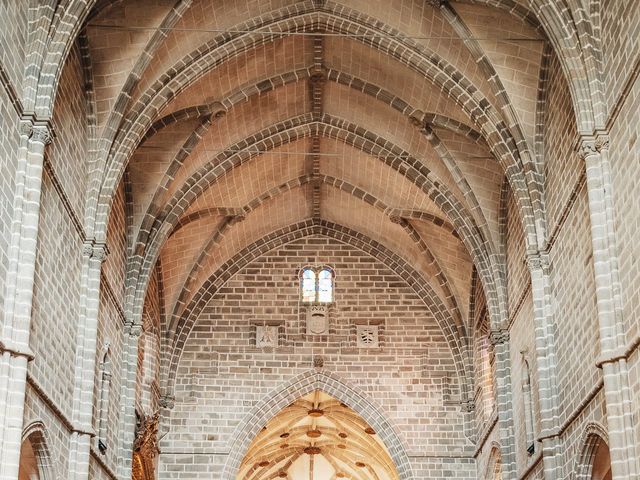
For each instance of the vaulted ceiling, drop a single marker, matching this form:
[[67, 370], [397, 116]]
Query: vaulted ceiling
[[317, 438], [397, 122]]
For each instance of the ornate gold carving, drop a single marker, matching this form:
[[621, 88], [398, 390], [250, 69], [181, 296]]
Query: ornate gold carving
[[145, 447]]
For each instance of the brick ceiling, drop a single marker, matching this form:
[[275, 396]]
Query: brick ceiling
[[240, 118], [317, 438]]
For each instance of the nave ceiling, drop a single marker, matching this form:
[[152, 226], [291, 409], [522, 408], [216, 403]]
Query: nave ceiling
[[408, 124]]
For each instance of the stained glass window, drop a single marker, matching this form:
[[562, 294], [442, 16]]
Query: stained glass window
[[325, 286], [308, 285]]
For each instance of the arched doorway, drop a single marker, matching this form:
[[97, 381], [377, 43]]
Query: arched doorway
[[320, 438], [29, 469], [301, 386], [601, 468], [35, 460], [494, 467], [594, 462]]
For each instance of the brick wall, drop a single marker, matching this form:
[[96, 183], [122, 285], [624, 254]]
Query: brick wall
[[221, 375], [8, 159]]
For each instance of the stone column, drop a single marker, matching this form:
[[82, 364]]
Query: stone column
[[85, 361], [127, 421], [613, 361], [546, 361], [500, 340], [14, 338]]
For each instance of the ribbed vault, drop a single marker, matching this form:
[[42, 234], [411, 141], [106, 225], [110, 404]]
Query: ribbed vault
[[399, 127], [317, 438]]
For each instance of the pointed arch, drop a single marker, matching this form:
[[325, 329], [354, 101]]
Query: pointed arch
[[593, 439], [301, 385], [458, 346], [35, 436]]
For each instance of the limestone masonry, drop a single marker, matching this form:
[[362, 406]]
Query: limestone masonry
[[319, 239]]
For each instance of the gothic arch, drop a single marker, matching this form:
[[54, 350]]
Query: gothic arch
[[458, 345], [301, 385], [593, 439], [494, 465], [36, 436]]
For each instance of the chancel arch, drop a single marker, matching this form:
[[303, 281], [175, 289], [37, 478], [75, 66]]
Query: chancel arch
[[352, 410]]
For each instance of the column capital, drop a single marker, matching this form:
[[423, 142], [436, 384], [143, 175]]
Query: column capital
[[167, 401], [537, 261], [133, 330], [93, 249], [26, 128], [593, 144], [468, 405], [41, 134], [499, 337]]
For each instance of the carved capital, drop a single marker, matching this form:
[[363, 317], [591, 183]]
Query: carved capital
[[588, 148], [100, 251], [318, 361], [537, 261], [41, 134], [134, 330], [436, 3], [602, 143], [87, 248], [499, 337], [93, 249], [26, 129], [468, 405], [167, 401]]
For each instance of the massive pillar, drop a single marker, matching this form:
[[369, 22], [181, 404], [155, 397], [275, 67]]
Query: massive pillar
[[128, 399], [14, 338], [500, 340], [613, 361], [93, 256], [546, 361]]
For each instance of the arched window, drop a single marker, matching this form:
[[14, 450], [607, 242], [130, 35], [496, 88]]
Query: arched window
[[528, 408], [316, 284], [325, 286], [308, 285], [105, 389]]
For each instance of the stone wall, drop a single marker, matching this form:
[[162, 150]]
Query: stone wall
[[221, 374]]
